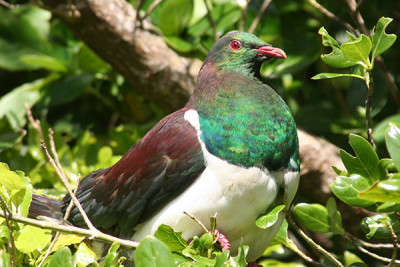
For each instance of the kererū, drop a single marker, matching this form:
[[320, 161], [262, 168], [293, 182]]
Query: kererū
[[231, 151]]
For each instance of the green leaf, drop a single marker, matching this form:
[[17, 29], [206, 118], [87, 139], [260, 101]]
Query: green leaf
[[380, 130], [12, 103], [12, 188], [380, 40], [240, 259], [62, 258], [377, 226], [358, 50], [180, 44], [314, 217], [152, 252], [172, 239], [112, 255], [389, 207], [44, 61], [220, 260], [26, 244], [347, 189], [393, 143], [270, 218], [335, 217], [336, 58], [366, 162], [175, 16], [384, 191], [4, 259], [84, 255], [326, 75]]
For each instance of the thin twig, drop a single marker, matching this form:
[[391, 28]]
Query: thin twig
[[197, 220], [368, 107], [66, 215], [68, 186], [332, 16], [360, 248], [8, 215], [8, 5], [60, 172], [54, 151], [68, 229], [255, 22], [312, 243], [357, 15], [244, 14], [211, 20], [395, 242], [151, 7], [370, 245]]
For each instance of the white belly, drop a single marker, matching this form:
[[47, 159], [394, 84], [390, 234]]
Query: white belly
[[237, 195]]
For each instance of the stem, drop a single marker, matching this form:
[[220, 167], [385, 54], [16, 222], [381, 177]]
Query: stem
[[311, 242], [211, 20], [395, 242], [368, 105], [68, 229], [255, 22]]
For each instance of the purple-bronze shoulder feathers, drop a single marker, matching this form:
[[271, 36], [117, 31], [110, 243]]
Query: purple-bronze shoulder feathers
[[155, 170]]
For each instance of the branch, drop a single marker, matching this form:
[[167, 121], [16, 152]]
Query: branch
[[255, 22], [68, 229]]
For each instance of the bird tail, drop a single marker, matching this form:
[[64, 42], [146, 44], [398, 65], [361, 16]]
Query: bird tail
[[44, 206]]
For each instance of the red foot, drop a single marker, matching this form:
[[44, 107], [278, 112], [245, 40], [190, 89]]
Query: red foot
[[222, 240], [253, 264]]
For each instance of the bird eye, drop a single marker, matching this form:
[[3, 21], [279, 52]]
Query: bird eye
[[236, 45]]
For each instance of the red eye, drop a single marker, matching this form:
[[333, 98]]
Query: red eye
[[236, 45]]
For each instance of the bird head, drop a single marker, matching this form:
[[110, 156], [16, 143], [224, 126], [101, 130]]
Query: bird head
[[241, 50]]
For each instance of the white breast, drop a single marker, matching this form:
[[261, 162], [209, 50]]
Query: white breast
[[237, 195]]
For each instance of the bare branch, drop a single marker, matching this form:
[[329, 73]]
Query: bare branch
[[211, 20], [255, 22], [68, 229]]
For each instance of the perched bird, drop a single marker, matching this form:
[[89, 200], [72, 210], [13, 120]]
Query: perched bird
[[231, 151]]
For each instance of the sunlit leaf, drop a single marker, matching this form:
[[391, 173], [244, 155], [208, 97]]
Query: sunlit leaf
[[336, 58], [313, 216], [25, 243], [348, 188], [172, 239], [175, 16], [381, 41], [384, 191], [152, 252], [393, 143], [357, 50], [84, 255], [62, 258], [335, 75], [270, 218]]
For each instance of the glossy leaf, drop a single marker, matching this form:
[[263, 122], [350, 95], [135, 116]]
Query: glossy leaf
[[335, 217], [84, 255], [112, 255], [358, 50], [384, 191], [240, 259], [347, 188], [326, 75], [313, 216], [25, 243], [366, 162], [393, 143], [377, 226], [389, 207], [172, 239], [152, 252], [62, 258], [175, 16], [336, 58], [270, 218], [220, 260], [381, 41], [381, 128]]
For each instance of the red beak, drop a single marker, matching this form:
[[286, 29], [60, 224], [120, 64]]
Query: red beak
[[270, 51]]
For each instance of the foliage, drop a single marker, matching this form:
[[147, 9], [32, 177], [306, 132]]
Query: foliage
[[96, 116]]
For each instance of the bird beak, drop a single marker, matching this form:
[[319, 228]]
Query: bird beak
[[270, 51]]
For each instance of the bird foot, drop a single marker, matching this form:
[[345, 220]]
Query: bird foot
[[221, 238], [254, 264]]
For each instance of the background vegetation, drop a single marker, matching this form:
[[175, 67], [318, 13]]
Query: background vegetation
[[97, 107]]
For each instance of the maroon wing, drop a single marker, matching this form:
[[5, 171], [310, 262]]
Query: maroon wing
[[154, 171]]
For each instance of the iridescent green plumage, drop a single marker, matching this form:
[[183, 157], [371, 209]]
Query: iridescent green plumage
[[243, 120]]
